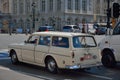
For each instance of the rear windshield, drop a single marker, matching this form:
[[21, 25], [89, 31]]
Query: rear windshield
[[42, 29], [83, 41], [49, 28], [75, 27], [67, 27]]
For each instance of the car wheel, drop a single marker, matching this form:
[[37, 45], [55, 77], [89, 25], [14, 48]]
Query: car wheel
[[14, 58], [51, 65], [108, 60]]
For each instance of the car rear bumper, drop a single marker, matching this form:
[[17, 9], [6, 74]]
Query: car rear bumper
[[80, 66]]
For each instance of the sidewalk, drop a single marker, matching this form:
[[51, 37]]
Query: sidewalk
[[3, 51]]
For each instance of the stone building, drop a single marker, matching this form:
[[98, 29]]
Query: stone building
[[53, 12]]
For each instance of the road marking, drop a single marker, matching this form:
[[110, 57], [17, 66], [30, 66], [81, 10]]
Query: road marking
[[38, 76], [97, 76]]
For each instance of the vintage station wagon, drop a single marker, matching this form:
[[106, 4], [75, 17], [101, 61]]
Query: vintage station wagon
[[57, 50]]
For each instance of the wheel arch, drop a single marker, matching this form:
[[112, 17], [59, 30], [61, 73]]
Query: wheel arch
[[11, 51], [108, 49], [48, 57]]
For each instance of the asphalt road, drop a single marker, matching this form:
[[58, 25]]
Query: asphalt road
[[24, 71]]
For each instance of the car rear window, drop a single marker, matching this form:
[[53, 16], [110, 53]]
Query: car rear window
[[67, 27], [75, 27], [83, 42], [42, 29]]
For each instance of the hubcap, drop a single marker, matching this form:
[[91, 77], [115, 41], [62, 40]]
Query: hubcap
[[13, 57], [51, 65]]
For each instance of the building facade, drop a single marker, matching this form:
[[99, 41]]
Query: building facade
[[53, 12]]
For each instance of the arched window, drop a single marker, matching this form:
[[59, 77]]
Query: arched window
[[69, 21], [43, 22]]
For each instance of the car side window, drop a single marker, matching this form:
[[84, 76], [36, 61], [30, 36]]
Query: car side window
[[117, 30], [44, 40], [32, 39], [60, 41]]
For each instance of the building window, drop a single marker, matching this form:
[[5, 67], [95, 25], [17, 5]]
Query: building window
[[14, 6], [84, 6], [43, 22], [77, 5], [51, 5], [21, 6], [69, 4], [27, 6], [98, 7], [90, 5], [58, 5], [43, 5]]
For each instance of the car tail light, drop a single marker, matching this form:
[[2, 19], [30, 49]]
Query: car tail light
[[86, 57], [46, 30]]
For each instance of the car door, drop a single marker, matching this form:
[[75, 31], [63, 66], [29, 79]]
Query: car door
[[42, 49], [29, 48], [115, 41]]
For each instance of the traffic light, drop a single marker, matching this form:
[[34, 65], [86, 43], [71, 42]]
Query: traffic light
[[116, 10]]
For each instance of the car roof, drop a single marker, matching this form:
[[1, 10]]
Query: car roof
[[54, 33], [70, 25], [46, 26]]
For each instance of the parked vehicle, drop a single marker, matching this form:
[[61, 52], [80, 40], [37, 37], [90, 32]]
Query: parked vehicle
[[46, 28], [71, 28], [101, 30], [110, 47], [55, 50]]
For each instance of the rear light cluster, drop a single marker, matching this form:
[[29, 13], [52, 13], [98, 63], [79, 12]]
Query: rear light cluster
[[86, 57], [46, 30]]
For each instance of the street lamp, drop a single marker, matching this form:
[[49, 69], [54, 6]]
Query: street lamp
[[33, 18]]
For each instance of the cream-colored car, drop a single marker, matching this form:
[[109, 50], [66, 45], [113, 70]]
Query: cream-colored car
[[57, 50]]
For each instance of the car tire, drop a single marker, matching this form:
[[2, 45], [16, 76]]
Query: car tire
[[108, 60], [52, 66], [14, 58]]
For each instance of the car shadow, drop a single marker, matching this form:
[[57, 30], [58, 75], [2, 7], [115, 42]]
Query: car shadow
[[37, 71]]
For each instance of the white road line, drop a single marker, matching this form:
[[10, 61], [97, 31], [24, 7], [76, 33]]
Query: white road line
[[98, 76], [43, 77], [38, 76]]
